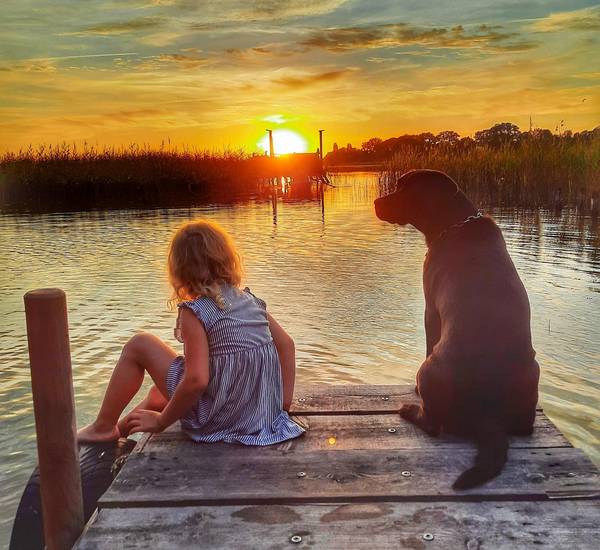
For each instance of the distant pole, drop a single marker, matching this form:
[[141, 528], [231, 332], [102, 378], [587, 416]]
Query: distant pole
[[53, 403], [271, 148], [321, 143]]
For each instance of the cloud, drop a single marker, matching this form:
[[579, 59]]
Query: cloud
[[177, 60], [587, 19], [402, 34], [258, 10], [276, 119], [267, 9], [304, 81], [120, 27], [127, 116], [29, 66], [184, 61], [260, 54]]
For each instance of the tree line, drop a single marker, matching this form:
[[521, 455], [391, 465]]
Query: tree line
[[502, 135]]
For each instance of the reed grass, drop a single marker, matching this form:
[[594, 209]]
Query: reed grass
[[532, 173], [543, 172], [65, 177]]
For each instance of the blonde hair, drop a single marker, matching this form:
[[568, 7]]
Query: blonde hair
[[202, 257]]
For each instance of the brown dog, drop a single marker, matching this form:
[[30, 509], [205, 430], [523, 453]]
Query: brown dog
[[480, 377]]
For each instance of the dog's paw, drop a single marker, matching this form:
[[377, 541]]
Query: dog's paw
[[410, 412]]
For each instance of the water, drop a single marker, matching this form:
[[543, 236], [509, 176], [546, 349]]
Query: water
[[346, 286]]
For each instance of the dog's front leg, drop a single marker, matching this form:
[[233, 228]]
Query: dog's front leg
[[432, 332], [433, 327], [418, 416]]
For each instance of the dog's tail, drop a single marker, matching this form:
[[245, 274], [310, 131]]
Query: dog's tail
[[492, 449]]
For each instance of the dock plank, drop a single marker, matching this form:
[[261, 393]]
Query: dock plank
[[188, 474], [498, 525], [340, 432], [352, 399]]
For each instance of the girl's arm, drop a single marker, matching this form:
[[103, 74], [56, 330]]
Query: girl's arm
[[194, 381], [287, 357], [196, 375]]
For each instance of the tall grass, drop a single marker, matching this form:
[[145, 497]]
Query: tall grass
[[532, 173], [65, 177]]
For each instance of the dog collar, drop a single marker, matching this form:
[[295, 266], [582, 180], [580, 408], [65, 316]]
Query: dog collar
[[456, 226]]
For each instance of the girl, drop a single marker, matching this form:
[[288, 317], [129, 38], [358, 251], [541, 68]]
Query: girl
[[234, 382]]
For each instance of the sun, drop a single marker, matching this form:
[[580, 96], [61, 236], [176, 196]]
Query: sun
[[284, 142]]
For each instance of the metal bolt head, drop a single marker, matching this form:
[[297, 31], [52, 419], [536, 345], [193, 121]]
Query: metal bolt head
[[295, 539], [536, 477], [301, 474], [392, 430], [385, 398], [302, 399], [428, 536], [406, 473]]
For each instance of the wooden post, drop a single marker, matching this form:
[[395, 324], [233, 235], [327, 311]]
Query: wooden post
[[52, 388], [271, 148], [321, 144]]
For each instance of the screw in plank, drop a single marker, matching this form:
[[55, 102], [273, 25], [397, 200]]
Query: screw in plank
[[295, 539], [302, 399], [385, 398], [536, 477], [301, 474], [392, 430], [406, 473], [428, 536]]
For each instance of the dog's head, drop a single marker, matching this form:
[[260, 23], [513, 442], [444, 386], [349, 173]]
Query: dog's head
[[420, 196]]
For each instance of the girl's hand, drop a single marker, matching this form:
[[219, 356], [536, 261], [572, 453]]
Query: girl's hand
[[144, 420]]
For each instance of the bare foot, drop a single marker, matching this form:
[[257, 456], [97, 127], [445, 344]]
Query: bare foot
[[123, 425], [97, 434]]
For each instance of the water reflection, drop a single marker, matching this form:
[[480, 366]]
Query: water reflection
[[346, 285]]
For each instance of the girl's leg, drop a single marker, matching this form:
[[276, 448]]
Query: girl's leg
[[154, 401], [143, 352]]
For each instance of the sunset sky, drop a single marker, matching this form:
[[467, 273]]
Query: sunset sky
[[217, 73]]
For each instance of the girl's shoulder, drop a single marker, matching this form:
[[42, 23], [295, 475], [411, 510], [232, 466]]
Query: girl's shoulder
[[258, 301], [204, 308]]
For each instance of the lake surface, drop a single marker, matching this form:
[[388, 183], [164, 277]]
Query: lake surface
[[345, 285]]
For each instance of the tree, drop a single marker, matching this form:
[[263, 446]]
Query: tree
[[372, 145], [504, 133], [447, 137]]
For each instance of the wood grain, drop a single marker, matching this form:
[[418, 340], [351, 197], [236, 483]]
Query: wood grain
[[191, 474], [352, 399], [341, 432], [498, 526]]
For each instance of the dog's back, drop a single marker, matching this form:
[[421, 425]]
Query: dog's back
[[474, 285], [485, 342]]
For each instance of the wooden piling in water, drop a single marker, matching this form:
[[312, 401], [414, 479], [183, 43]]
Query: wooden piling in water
[[52, 388]]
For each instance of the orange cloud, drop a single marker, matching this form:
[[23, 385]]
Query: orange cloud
[[312, 79], [402, 34], [120, 27]]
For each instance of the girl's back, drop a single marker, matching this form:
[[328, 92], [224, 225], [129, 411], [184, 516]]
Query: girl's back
[[243, 400]]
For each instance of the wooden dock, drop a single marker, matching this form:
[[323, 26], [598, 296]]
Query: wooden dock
[[361, 477]]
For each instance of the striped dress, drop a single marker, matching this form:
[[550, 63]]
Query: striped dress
[[243, 400]]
